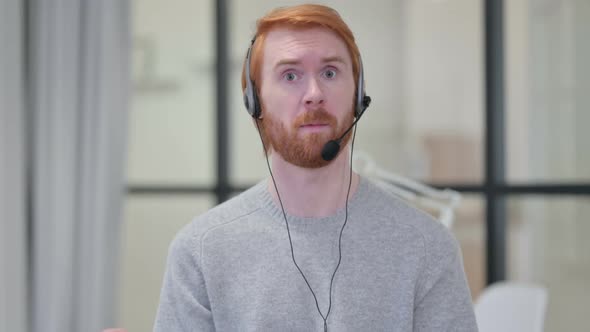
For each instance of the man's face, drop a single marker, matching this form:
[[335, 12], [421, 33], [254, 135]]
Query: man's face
[[307, 93]]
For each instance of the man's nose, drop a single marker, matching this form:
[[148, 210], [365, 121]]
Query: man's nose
[[314, 95]]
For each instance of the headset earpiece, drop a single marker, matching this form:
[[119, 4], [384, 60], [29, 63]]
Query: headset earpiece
[[250, 95], [362, 100]]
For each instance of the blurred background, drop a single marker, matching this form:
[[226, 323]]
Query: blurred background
[[490, 98]]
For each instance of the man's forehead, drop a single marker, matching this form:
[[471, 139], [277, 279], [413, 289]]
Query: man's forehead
[[298, 61], [284, 45]]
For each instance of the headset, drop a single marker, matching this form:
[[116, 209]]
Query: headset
[[252, 102]]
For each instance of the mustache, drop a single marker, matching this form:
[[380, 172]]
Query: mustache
[[315, 116]]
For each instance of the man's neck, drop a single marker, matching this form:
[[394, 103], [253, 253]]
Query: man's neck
[[312, 192]]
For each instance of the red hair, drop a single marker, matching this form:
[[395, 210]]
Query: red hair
[[301, 16]]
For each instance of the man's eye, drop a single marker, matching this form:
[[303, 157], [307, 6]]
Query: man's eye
[[330, 73], [290, 76]]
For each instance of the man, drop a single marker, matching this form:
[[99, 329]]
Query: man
[[315, 247]]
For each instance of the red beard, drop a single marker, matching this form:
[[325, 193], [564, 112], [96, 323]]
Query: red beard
[[303, 149]]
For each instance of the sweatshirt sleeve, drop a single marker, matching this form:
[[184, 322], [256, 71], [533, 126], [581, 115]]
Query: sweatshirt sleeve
[[184, 304], [443, 300]]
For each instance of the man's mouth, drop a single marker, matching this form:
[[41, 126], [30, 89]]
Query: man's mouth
[[314, 125]]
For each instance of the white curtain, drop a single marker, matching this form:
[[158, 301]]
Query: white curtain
[[75, 99], [13, 254]]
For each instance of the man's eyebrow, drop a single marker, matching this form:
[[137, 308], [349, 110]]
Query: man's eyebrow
[[284, 62], [334, 59]]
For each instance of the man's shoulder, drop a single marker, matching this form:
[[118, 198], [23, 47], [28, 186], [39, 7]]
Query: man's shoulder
[[226, 213], [406, 217]]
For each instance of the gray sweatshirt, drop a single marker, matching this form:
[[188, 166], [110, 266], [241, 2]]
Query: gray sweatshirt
[[231, 269]]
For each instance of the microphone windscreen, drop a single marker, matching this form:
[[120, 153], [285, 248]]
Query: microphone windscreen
[[330, 150]]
